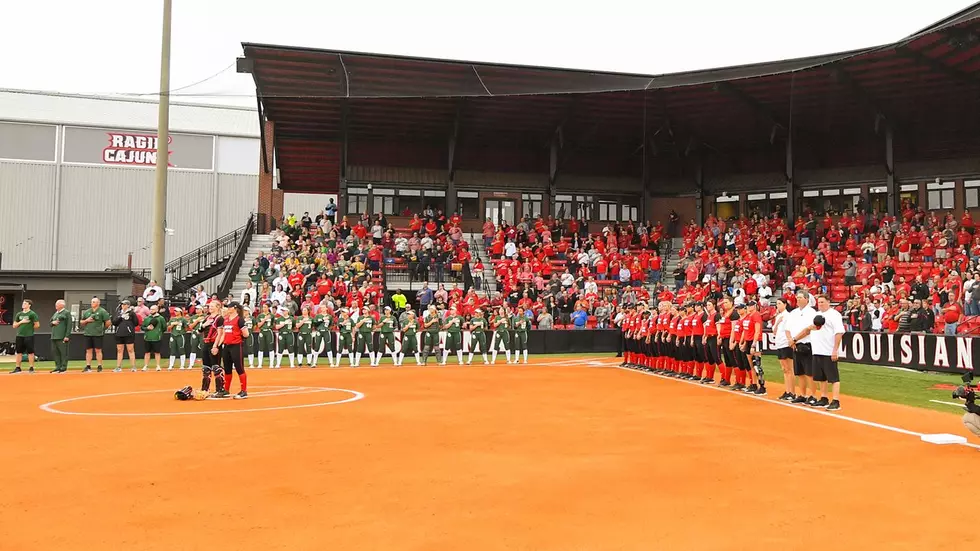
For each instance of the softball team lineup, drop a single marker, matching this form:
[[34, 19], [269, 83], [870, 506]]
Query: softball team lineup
[[227, 339]]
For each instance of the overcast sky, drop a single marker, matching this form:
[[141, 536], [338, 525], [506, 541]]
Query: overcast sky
[[113, 46]]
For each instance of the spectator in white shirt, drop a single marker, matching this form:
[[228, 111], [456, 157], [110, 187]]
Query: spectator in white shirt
[[567, 279], [825, 339], [283, 282], [624, 275], [250, 292], [510, 249], [765, 293], [591, 286], [152, 294]]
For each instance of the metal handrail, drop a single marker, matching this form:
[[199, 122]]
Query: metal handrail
[[235, 262]]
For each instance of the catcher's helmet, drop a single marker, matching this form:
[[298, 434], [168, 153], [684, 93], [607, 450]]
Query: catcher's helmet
[[186, 393]]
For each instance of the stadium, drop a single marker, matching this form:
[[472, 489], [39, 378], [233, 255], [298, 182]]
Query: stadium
[[628, 303]]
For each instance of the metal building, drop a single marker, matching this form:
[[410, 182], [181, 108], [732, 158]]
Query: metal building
[[76, 178]]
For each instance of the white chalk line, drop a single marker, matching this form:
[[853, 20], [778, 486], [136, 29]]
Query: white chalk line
[[792, 406], [50, 406], [946, 403]]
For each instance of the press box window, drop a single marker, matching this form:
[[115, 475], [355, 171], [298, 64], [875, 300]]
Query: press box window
[[468, 204], [939, 195], [971, 190], [531, 204], [357, 200]]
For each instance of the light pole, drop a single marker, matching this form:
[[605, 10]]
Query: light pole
[[159, 236]]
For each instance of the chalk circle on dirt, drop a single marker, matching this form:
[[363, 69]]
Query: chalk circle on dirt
[[53, 407]]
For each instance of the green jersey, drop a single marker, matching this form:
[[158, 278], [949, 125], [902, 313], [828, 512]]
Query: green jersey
[[154, 333], [247, 328], [287, 323], [367, 324], [61, 331], [431, 324], [265, 320], [477, 325], [178, 326], [455, 324], [387, 324], [323, 322], [305, 324], [520, 324], [96, 327], [502, 323], [410, 327], [196, 320], [25, 329], [346, 326], [255, 274]]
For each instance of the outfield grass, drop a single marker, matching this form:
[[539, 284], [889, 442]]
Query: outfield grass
[[900, 386]]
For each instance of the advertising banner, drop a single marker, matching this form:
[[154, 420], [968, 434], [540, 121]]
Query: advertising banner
[[136, 148]]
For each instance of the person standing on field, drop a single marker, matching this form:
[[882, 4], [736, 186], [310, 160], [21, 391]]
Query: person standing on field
[[153, 327], [60, 335], [178, 344], [25, 322], [94, 322], [126, 322]]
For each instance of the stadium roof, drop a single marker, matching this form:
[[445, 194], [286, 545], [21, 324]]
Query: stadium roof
[[506, 116]]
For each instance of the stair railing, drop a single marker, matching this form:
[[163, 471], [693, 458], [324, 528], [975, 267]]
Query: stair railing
[[234, 264]]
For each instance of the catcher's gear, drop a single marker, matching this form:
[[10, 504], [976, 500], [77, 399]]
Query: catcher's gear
[[186, 393], [972, 422]]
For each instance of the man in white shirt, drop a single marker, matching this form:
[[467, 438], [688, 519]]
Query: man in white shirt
[[281, 280], [249, 291], [798, 321], [510, 249], [152, 294], [825, 339]]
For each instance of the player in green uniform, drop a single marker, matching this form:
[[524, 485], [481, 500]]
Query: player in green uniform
[[25, 322], [454, 336], [248, 337], [284, 324], [178, 341], [478, 324], [346, 342], [364, 327], [94, 322], [266, 338], [194, 336], [304, 336], [387, 329], [60, 336], [322, 335], [518, 343], [409, 340], [153, 327], [430, 324], [501, 335]]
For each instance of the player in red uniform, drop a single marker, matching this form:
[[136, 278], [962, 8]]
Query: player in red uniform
[[736, 351], [710, 321], [752, 348], [211, 361], [697, 341], [229, 342]]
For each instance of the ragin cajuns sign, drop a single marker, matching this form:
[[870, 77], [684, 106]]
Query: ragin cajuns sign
[[133, 149]]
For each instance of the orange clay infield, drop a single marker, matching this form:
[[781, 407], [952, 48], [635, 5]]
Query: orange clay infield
[[561, 454]]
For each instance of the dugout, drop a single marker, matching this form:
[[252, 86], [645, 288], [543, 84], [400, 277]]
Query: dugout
[[47, 287], [389, 133]]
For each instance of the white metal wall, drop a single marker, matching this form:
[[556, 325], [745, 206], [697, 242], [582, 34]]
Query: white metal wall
[[237, 197], [27, 195], [298, 203]]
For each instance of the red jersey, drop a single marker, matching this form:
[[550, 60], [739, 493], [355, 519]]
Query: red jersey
[[697, 325], [210, 326], [711, 324], [750, 324], [233, 328], [725, 331], [736, 329]]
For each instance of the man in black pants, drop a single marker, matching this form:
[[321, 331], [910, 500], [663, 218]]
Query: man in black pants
[[800, 319]]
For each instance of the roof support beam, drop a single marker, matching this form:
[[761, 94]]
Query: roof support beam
[[344, 138], [955, 74], [451, 171], [864, 97], [790, 175], [750, 102], [891, 183]]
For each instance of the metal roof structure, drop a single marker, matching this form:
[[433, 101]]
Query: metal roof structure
[[332, 108], [125, 113]]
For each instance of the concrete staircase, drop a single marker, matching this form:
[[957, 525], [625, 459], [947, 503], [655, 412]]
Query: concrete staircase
[[259, 243], [477, 250]]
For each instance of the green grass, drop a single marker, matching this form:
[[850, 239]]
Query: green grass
[[898, 386]]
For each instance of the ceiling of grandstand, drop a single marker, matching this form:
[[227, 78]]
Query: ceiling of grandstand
[[402, 111]]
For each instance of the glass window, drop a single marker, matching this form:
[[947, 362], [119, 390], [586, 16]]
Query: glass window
[[585, 207], [972, 190], [408, 202], [608, 211], [778, 204], [531, 204], [435, 199], [357, 200], [384, 201], [631, 213], [878, 197], [726, 206], [940, 195], [757, 204], [563, 206], [468, 204]]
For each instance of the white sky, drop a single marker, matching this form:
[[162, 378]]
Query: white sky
[[113, 46]]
